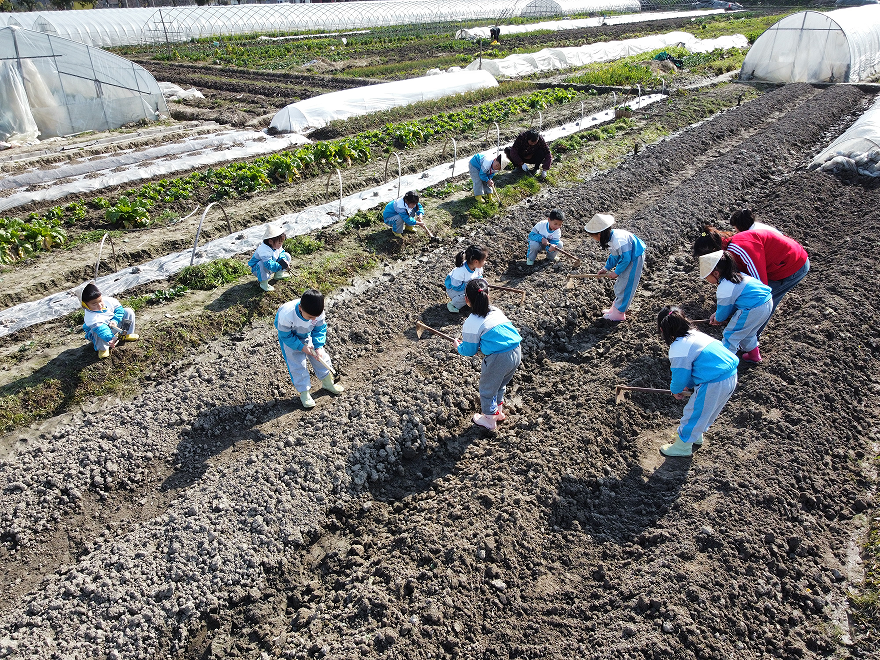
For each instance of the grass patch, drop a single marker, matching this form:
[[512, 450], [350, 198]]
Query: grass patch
[[205, 277], [866, 604], [303, 245]]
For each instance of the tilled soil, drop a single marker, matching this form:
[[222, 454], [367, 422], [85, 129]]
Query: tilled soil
[[210, 516]]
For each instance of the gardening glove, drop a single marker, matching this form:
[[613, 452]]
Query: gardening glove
[[542, 174], [525, 167], [285, 264]]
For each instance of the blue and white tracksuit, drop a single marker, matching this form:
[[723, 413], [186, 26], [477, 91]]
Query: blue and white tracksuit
[[480, 169], [627, 259], [398, 215], [748, 305], [700, 362], [294, 332], [265, 262], [96, 324], [539, 231], [499, 342], [457, 280]]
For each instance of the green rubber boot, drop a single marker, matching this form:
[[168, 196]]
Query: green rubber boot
[[698, 442], [307, 400], [677, 448], [330, 386]]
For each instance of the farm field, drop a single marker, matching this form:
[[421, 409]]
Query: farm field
[[176, 500]]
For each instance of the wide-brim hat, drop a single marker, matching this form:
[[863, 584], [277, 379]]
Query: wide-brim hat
[[708, 263], [599, 223], [274, 229]]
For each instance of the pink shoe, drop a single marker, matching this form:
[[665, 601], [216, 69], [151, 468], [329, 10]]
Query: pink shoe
[[753, 355], [615, 315], [486, 421]]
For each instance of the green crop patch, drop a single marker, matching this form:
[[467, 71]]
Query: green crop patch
[[205, 277]]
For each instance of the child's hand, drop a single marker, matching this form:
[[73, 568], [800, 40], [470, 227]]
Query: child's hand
[[457, 343], [553, 248], [611, 274], [712, 320], [681, 395], [601, 271], [545, 242], [309, 350]]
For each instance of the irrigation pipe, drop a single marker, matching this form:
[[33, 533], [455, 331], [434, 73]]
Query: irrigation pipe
[[399, 173], [327, 188]]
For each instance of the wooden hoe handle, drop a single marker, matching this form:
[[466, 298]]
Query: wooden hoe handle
[[421, 327]]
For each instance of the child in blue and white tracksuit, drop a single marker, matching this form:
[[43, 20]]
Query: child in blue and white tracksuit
[[404, 213], [105, 321], [270, 261], [482, 170], [468, 266], [746, 301], [302, 331], [546, 235], [490, 332], [625, 262], [700, 362]]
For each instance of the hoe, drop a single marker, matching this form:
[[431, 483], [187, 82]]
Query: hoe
[[621, 390]]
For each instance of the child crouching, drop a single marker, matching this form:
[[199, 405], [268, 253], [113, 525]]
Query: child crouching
[[489, 331], [546, 235], [270, 261], [105, 322], [701, 362], [468, 266], [302, 331]]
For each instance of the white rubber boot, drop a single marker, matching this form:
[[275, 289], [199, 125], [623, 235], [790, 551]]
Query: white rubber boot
[[307, 400], [677, 448], [265, 286], [330, 386]]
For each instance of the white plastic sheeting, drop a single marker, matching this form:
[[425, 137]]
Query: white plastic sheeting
[[836, 46], [97, 174], [578, 23], [307, 220], [857, 149], [173, 92], [73, 88], [17, 125], [557, 59], [319, 110], [122, 27]]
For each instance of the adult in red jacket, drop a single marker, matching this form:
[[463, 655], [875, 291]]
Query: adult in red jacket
[[778, 261], [530, 149]]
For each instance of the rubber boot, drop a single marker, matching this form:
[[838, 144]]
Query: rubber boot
[[409, 229], [265, 286], [104, 354], [753, 355], [530, 262], [479, 198], [614, 314], [281, 275], [131, 337], [307, 400], [552, 256], [330, 386], [486, 421], [677, 448], [452, 308], [698, 442]]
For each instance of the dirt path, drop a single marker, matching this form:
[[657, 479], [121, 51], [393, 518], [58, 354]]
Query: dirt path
[[382, 523]]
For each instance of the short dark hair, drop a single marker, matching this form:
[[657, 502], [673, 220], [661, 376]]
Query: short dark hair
[[411, 197], [742, 219], [477, 293], [605, 237], [473, 253], [312, 302], [710, 240], [531, 135], [728, 269], [673, 323], [91, 292], [556, 214]]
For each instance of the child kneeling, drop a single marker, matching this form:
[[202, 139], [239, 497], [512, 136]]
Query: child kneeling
[[270, 261], [489, 331], [302, 331], [105, 321], [701, 362]]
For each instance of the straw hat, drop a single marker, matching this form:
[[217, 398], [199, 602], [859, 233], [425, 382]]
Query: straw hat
[[708, 263], [599, 223], [273, 229]]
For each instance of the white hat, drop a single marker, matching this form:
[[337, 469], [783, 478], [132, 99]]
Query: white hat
[[599, 223], [274, 229], [708, 263]]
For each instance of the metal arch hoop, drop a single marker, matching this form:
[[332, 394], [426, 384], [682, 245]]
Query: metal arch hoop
[[454, 153], [399, 172], [327, 188]]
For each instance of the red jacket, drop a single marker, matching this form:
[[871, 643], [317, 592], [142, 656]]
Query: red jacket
[[766, 255]]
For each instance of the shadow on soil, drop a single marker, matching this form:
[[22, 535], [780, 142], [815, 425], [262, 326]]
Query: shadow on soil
[[619, 509]]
